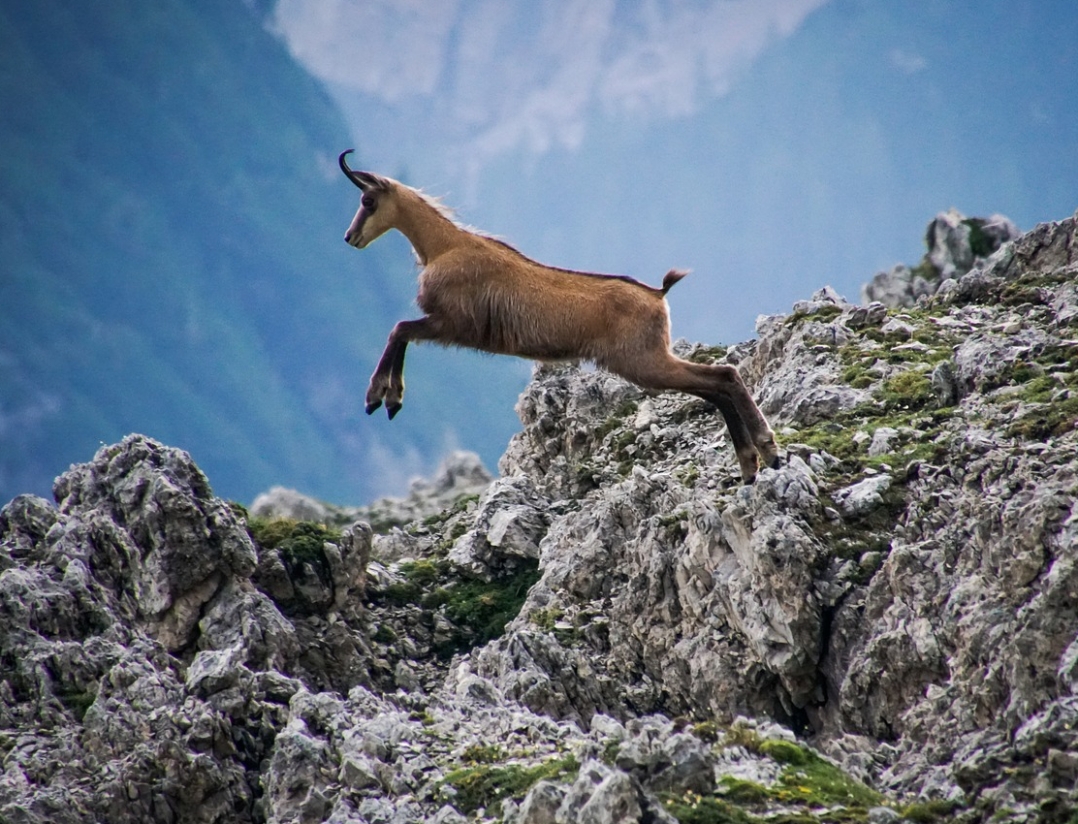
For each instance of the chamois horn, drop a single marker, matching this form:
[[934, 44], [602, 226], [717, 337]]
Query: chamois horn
[[349, 173]]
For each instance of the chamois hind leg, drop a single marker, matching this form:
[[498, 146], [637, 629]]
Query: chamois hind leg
[[728, 383], [387, 382], [719, 384], [739, 434]]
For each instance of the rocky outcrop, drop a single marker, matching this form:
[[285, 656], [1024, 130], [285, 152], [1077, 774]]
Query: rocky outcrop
[[615, 629], [956, 244], [460, 475]]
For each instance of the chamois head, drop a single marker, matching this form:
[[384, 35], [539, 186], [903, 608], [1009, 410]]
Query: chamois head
[[377, 207]]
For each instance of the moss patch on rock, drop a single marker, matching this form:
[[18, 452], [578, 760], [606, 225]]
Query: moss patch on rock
[[478, 610], [487, 786]]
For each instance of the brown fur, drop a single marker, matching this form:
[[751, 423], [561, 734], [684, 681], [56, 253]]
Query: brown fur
[[478, 292]]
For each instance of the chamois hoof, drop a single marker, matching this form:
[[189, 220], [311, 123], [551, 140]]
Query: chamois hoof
[[393, 409], [372, 406]]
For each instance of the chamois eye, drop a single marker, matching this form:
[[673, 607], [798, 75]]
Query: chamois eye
[[369, 202]]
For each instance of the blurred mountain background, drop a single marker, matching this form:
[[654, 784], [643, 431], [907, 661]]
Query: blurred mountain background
[[171, 213]]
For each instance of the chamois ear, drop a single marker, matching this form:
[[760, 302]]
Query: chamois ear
[[364, 180]]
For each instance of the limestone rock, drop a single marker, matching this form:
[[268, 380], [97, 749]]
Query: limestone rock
[[616, 629], [460, 475], [956, 244]]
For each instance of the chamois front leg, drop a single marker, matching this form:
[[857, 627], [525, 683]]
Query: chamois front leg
[[387, 382]]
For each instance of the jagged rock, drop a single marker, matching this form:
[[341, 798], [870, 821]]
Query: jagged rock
[[864, 496], [509, 524], [956, 244], [282, 502], [945, 384], [661, 758], [177, 544], [460, 475], [614, 630]]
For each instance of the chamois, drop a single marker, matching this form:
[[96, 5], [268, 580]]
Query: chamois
[[478, 292]]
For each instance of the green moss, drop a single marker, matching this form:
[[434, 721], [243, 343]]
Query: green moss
[[424, 573], [823, 315], [291, 536], [546, 618], [384, 524], [483, 754], [432, 522], [424, 717], [384, 635], [905, 391], [706, 731], [742, 792], [420, 578], [1032, 288], [78, 701], [488, 786], [689, 475], [785, 752], [1048, 420], [1017, 373], [708, 354], [610, 752], [926, 270], [852, 537], [484, 608], [462, 503], [980, 243], [818, 783], [616, 419], [929, 812], [478, 609], [807, 781], [300, 544], [694, 809], [674, 524], [741, 735]]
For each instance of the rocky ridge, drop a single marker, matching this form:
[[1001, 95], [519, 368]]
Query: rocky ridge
[[460, 474], [955, 245], [614, 630]]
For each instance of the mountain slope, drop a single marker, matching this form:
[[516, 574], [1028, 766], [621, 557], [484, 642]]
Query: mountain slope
[[616, 630]]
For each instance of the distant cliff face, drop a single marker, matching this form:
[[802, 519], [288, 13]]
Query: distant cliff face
[[613, 630]]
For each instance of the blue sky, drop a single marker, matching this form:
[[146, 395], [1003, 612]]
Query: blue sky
[[771, 146]]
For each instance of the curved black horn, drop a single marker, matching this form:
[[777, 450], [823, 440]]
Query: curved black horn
[[351, 175]]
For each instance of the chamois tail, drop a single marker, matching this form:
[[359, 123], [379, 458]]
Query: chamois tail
[[672, 277]]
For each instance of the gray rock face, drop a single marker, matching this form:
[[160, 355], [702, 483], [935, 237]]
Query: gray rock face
[[460, 475], [956, 244], [613, 630]]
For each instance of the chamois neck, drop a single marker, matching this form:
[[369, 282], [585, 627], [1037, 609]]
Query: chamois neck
[[430, 232]]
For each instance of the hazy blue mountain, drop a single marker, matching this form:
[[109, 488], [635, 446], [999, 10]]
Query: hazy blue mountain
[[172, 263]]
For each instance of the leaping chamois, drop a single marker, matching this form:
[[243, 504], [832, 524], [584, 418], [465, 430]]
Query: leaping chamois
[[481, 293]]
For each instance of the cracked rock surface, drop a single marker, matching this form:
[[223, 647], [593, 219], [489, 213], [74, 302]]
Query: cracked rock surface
[[614, 629]]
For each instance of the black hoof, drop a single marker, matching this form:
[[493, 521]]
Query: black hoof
[[393, 409], [372, 406]]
